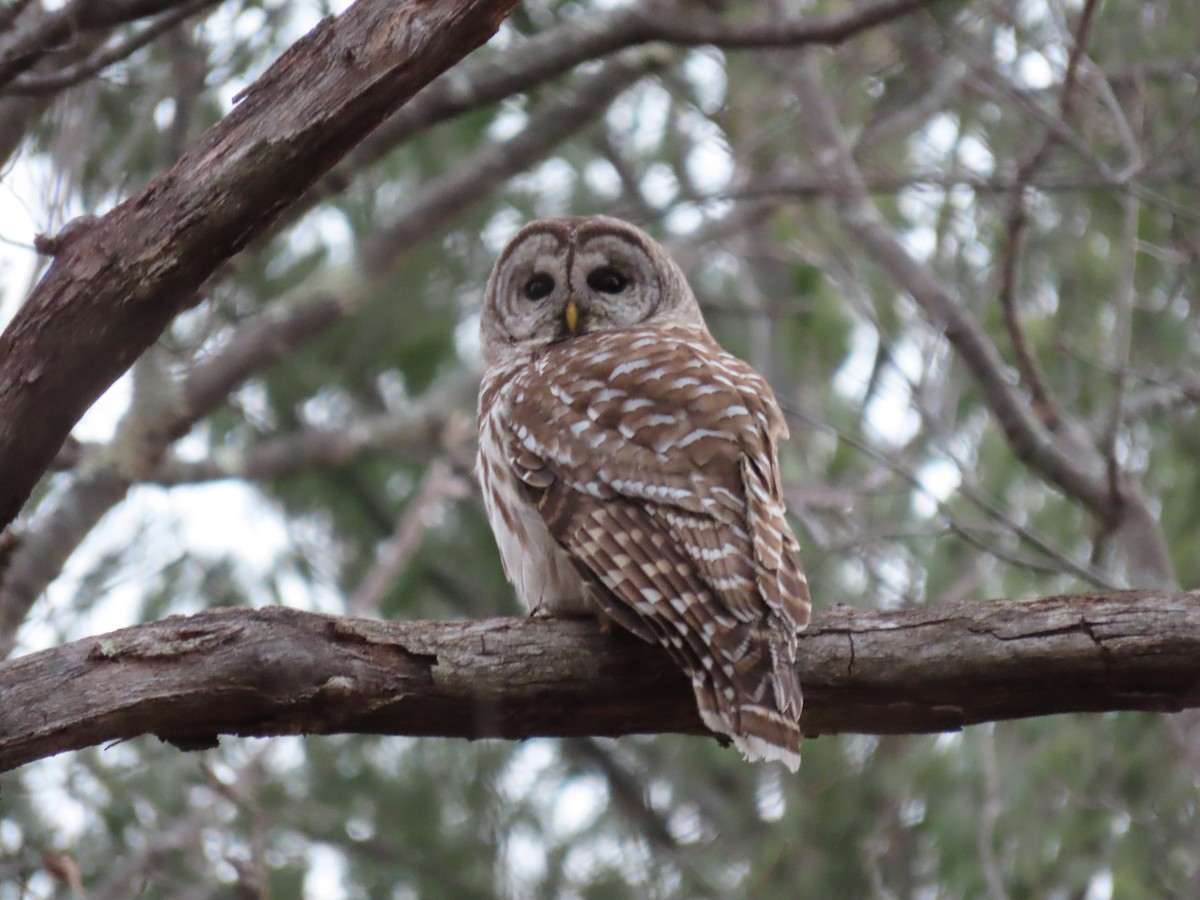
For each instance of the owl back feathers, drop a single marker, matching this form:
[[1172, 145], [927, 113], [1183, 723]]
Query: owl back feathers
[[650, 456]]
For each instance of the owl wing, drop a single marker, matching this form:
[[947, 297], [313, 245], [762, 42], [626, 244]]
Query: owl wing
[[651, 458]]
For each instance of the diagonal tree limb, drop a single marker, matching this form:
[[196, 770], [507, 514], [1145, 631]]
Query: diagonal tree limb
[[118, 281], [9, 12], [274, 671], [438, 485], [1081, 476], [480, 82], [416, 429], [253, 347]]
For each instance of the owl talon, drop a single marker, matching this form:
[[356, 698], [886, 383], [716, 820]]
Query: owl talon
[[559, 611]]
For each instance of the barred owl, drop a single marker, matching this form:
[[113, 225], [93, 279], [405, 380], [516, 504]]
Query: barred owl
[[629, 470]]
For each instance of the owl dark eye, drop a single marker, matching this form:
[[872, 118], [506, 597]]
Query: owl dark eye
[[538, 286], [607, 280]]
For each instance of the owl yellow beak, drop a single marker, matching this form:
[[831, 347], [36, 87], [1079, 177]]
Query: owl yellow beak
[[571, 315]]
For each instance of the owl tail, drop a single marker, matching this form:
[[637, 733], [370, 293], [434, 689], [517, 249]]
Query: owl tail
[[756, 701]]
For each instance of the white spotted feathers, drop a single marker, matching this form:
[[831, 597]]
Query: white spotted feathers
[[629, 462]]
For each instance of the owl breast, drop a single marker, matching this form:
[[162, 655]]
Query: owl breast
[[540, 571]]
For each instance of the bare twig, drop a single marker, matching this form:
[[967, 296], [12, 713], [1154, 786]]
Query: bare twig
[[1044, 403], [812, 185], [438, 485], [487, 169], [37, 35], [1178, 392], [691, 28], [52, 82], [1026, 534], [1123, 303]]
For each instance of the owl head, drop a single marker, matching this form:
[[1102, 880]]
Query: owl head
[[559, 279]]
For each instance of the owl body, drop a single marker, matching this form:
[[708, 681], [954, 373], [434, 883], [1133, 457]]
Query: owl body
[[628, 466]]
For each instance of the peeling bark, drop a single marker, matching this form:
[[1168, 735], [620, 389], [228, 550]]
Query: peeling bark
[[273, 671]]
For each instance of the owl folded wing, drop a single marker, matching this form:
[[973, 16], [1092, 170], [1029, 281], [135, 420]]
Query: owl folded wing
[[652, 460]]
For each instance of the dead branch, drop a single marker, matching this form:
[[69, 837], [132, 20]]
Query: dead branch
[[274, 671], [438, 485]]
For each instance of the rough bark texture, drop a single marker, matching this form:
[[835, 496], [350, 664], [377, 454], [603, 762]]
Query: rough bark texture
[[278, 671], [117, 281]]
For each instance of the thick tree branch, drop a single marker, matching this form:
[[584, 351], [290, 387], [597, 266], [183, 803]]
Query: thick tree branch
[[272, 671], [117, 281]]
